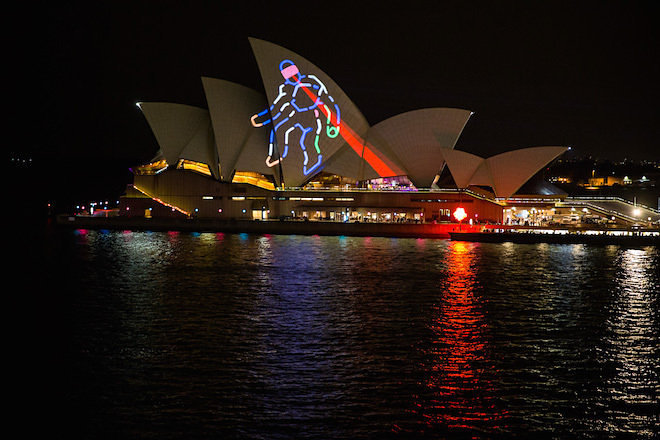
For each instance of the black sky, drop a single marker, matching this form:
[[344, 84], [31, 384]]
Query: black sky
[[583, 74]]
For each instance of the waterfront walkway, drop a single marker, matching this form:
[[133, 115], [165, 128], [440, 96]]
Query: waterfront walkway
[[289, 227], [618, 208]]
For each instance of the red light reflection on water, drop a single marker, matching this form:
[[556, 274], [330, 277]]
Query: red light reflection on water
[[460, 390], [82, 235]]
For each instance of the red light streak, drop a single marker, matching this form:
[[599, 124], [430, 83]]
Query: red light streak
[[461, 387], [354, 140]]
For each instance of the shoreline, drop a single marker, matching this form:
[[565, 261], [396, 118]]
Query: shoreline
[[284, 227], [453, 231], [532, 237]]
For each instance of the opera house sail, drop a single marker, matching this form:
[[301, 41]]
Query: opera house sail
[[302, 148]]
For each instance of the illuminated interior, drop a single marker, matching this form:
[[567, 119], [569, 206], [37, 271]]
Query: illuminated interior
[[396, 182], [198, 167], [326, 180], [151, 168], [253, 178]]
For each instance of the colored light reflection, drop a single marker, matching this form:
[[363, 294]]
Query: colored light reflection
[[630, 347], [460, 390]]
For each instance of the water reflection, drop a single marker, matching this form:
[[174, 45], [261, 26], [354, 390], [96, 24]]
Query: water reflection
[[631, 348], [342, 337], [460, 392]]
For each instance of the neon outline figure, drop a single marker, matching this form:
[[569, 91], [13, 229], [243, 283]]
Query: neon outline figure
[[286, 109]]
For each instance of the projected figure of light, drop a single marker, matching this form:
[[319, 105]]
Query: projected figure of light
[[300, 94]]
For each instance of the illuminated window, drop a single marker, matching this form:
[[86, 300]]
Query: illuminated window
[[197, 167], [252, 178], [151, 168]]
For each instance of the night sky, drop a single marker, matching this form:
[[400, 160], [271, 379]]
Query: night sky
[[580, 74]]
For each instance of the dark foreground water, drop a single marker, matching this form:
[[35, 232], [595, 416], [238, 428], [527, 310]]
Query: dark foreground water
[[179, 335]]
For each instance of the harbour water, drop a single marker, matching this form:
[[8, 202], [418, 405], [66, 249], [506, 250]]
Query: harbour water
[[173, 335]]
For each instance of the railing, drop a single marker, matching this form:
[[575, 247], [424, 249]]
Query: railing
[[412, 190], [156, 199], [602, 209], [613, 199]]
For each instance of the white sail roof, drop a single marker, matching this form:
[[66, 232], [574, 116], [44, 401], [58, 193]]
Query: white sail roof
[[231, 106], [414, 140], [505, 172], [312, 118], [462, 166], [305, 123], [510, 170], [182, 132]]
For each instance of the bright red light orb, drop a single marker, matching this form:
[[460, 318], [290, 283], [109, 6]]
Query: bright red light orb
[[459, 214]]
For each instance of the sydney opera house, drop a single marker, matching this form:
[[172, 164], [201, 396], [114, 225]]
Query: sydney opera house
[[304, 150]]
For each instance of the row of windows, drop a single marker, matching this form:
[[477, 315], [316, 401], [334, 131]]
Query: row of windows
[[321, 199], [336, 199], [418, 199], [306, 199]]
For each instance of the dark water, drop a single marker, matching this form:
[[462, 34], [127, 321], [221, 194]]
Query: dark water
[[178, 335]]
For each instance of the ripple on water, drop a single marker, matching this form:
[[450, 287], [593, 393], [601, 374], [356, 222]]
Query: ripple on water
[[185, 335]]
